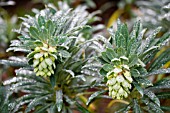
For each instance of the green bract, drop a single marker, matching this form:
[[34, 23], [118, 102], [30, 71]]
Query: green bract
[[119, 78], [119, 71], [44, 60]]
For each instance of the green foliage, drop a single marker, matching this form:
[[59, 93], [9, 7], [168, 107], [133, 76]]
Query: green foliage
[[3, 100], [64, 61], [155, 13], [55, 33], [124, 48]]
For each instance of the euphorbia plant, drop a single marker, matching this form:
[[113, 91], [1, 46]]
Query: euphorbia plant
[[50, 73], [127, 60], [55, 69]]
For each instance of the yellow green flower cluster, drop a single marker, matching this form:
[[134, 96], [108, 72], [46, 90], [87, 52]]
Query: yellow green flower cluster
[[44, 61], [119, 81]]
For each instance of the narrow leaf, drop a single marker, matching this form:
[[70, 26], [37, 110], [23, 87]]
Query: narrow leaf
[[140, 90], [81, 108], [136, 107], [59, 100], [94, 95], [163, 95], [34, 33], [107, 67], [153, 97]]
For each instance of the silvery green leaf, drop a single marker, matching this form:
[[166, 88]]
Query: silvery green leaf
[[105, 58], [13, 80], [59, 100], [14, 63], [94, 95], [69, 72], [153, 97], [136, 107], [69, 100], [164, 83], [144, 81], [34, 33], [163, 95], [103, 39], [108, 67], [159, 71], [89, 72], [163, 40], [134, 72], [110, 53], [21, 49], [136, 29], [152, 106], [37, 101], [151, 37], [160, 60], [41, 21], [133, 60], [50, 27], [29, 74], [92, 65], [139, 88], [64, 54]]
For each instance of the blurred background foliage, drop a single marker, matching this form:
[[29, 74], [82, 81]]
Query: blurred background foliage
[[152, 13]]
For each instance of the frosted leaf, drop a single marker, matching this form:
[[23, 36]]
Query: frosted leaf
[[159, 71], [21, 49], [20, 59], [13, 63], [98, 46], [151, 37], [153, 97], [15, 43], [13, 80], [37, 101], [101, 38], [92, 65], [80, 77], [69, 72], [164, 83], [89, 72], [59, 100], [24, 72]]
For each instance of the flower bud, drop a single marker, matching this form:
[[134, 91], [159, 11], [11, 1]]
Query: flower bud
[[44, 62], [45, 54], [37, 49], [116, 86], [45, 45], [117, 70], [119, 79], [35, 62], [51, 49], [111, 81], [49, 61], [38, 55]]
